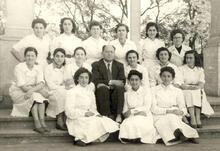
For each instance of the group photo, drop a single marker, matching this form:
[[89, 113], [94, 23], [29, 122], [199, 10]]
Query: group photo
[[123, 72]]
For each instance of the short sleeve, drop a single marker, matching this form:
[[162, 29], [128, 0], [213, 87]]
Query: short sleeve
[[19, 75], [125, 106], [22, 44]]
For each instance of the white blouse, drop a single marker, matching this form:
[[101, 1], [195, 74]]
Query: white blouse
[[93, 49], [54, 77], [25, 76], [137, 101], [80, 100], [121, 51]]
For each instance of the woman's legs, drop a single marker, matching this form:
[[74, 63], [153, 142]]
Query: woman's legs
[[37, 124], [41, 113], [198, 117], [192, 116]]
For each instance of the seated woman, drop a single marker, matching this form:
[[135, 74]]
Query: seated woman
[[78, 62], [83, 120], [168, 109], [163, 55], [55, 83], [193, 88], [132, 57], [138, 123], [26, 90]]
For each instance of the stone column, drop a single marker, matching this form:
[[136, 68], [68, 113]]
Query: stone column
[[19, 15], [212, 53]]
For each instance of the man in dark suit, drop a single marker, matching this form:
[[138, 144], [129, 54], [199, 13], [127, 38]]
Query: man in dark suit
[[109, 78]]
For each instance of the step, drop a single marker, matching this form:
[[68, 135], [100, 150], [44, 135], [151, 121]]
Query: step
[[213, 120]]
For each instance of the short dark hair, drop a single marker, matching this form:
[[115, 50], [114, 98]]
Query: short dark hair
[[62, 51], [103, 47], [79, 72], [61, 24], [123, 25], [163, 49], [198, 61], [177, 31], [38, 21], [29, 49], [135, 72], [152, 24], [94, 23], [168, 69], [131, 51], [79, 48]]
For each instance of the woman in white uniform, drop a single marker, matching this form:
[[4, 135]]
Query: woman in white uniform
[[54, 78], [168, 109], [132, 58], [38, 40], [138, 123], [150, 45], [26, 91], [93, 45], [193, 88], [67, 39], [163, 56], [83, 120], [122, 44], [178, 49]]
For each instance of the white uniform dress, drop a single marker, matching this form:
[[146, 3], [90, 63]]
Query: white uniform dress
[[195, 97], [54, 79], [155, 74], [68, 42], [80, 100], [138, 126], [149, 48], [141, 69], [93, 49], [177, 58], [121, 51], [164, 98], [42, 46], [24, 77]]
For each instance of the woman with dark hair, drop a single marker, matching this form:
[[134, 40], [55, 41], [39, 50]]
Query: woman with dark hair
[[122, 44], [38, 40], [178, 49], [83, 120], [193, 87], [163, 56], [138, 123], [93, 45], [54, 77], [26, 91], [132, 58], [168, 110], [150, 45], [67, 39]]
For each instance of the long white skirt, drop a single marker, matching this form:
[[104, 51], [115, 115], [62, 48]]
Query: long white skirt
[[90, 129], [198, 98], [167, 124], [138, 127], [56, 102], [22, 106]]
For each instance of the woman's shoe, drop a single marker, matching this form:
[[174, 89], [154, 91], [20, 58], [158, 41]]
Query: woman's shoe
[[193, 140], [61, 127], [39, 130], [46, 129], [199, 126], [80, 143]]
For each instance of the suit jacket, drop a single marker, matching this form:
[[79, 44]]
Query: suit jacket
[[100, 73]]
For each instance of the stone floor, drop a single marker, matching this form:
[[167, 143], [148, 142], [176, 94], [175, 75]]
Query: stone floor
[[205, 145]]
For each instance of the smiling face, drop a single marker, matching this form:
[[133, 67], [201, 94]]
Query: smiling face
[[164, 57], [190, 60], [152, 32], [132, 59], [95, 31], [122, 32], [83, 79], [166, 77], [30, 58], [39, 30], [59, 58], [135, 82], [67, 26], [80, 56]]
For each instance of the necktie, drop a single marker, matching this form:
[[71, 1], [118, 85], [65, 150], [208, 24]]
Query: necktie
[[109, 72]]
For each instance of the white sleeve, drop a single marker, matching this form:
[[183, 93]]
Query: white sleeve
[[22, 44], [155, 108], [181, 102]]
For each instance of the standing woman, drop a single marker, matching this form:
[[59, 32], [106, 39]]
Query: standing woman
[[67, 39], [25, 91], [168, 109], [83, 120], [38, 40], [193, 88], [54, 77], [138, 123], [122, 44], [150, 45], [93, 45], [178, 49], [132, 58]]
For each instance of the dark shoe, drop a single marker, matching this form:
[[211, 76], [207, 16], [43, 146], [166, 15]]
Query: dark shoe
[[63, 128], [193, 140], [199, 126], [80, 143], [46, 129], [193, 125], [39, 130]]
